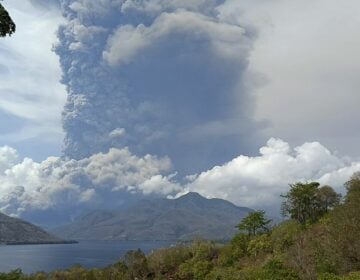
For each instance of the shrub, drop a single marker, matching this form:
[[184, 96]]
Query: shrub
[[284, 235], [165, 262]]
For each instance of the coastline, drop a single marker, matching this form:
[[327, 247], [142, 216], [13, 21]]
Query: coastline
[[61, 242]]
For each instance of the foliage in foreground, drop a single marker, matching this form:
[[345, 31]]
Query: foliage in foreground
[[7, 26], [321, 241]]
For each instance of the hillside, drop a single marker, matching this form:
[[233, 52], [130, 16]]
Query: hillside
[[16, 231], [185, 218]]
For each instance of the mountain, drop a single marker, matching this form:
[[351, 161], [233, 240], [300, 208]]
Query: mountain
[[185, 218], [16, 231]]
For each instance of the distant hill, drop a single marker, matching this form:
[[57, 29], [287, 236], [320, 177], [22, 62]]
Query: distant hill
[[185, 218], [16, 231]]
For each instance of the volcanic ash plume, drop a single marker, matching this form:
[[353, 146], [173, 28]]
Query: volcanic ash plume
[[161, 77]]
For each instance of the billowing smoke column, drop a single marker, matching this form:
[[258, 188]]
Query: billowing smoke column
[[164, 77]]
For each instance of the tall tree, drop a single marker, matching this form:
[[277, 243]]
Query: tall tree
[[7, 26], [306, 203], [301, 202], [254, 223], [327, 198]]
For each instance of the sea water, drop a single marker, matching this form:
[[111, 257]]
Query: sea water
[[89, 254]]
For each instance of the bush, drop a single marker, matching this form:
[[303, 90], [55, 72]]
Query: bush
[[196, 270], [228, 273], [165, 262], [259, 246], [228, 256], [352, 276], [328, 276], [13, 275], [240, 244], [284, 235], [136, 264], [274, 270]]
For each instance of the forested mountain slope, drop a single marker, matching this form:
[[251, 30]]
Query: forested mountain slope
[[185, 218]]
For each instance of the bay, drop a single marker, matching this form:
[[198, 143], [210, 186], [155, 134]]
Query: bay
[[89, 254]]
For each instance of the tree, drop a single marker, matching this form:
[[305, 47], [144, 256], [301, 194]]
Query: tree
[[306, 203], [254, 223], [7, 26], [341, 242], [328, 198], [353, 187], [301, 202]]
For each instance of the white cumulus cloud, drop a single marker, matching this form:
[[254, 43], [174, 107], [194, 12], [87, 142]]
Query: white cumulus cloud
[[58, 182], [256, 182], [259, 181]]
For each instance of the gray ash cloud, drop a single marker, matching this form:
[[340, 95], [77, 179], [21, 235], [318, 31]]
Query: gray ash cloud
[[171, 76]]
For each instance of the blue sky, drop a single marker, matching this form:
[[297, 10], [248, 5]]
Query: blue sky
[[187, 92], [31, 95]]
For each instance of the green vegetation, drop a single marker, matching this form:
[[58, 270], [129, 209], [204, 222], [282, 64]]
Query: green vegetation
[[306, 203], [320, 241], [7, 26], [254, 223]]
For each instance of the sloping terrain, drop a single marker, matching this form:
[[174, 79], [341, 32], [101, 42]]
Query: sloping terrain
[[185, 218], [17, 231]]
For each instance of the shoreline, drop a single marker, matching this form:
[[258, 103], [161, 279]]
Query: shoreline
[[64, 242]]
